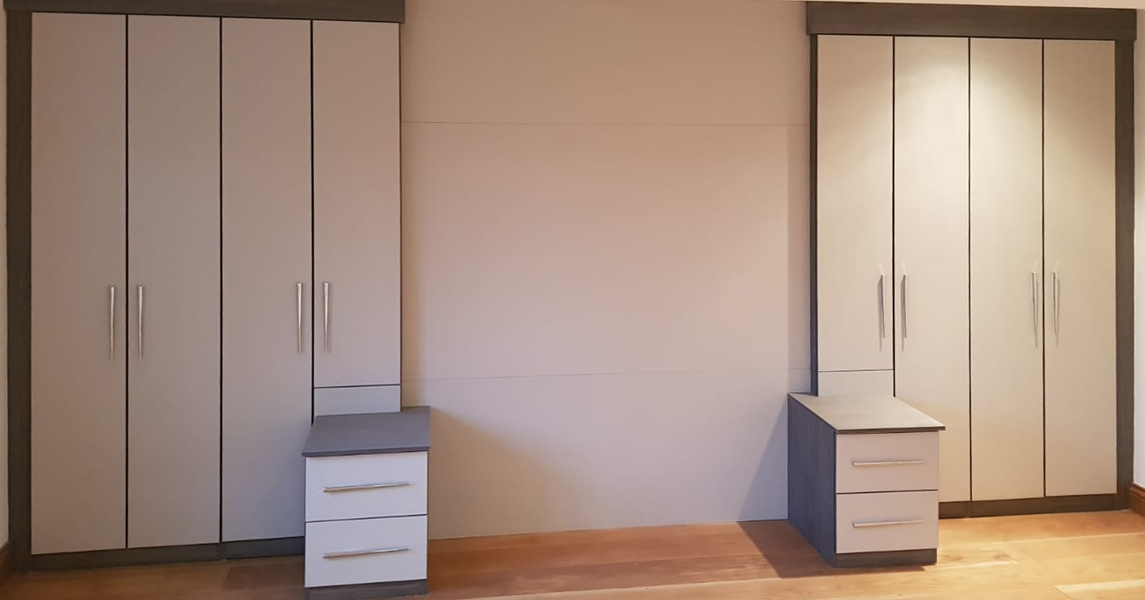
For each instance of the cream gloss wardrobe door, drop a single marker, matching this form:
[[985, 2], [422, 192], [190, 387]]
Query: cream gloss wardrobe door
[[1006, 308], [357, 205], [1081, 353], [266, 276], [173, 271], [932, 272], [79, 233], [853, 206]]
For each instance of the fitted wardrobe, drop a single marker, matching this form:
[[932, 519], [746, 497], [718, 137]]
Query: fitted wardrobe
[[965, 251], [215, 240]]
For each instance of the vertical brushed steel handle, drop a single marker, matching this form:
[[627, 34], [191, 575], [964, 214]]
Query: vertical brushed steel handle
[[1057, 290], [301, 341], [111, 322], [326, 315], [1034, 302], [882, 305], [139, 317], [905, 290]]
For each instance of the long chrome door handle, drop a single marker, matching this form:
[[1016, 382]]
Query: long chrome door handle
[[362, 552], [866, 524], [886, 463], [301, 341], [358, 487], [905, 289], [1034, 302], [882, 305], [139, 320], [111, 322], [326, 316], [1057, 290]]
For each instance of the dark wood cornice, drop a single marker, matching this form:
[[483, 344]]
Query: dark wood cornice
[[963, 20], [388, 11]]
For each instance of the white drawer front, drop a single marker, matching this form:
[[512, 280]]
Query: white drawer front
[[357, 487], [886, 462], [886, 522], [365, 551]]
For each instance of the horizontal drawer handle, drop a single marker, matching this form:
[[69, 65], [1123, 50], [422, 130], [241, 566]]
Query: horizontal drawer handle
[[866, 524], [886, 463], [357, 487], [362, 552]]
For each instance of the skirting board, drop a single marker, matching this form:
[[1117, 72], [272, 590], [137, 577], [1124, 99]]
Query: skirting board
[[101, 559], [369, 590], [901, 558], [7, 565], [1137, 499], [1027, 506]]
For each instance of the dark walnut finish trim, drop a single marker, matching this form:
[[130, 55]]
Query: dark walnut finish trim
[[19, 230], [898, 558], [369, 590], [6, 566], [1137, 499], [1123, 244], [1028, 506], [102, 559], [961, 20], [386, 11]]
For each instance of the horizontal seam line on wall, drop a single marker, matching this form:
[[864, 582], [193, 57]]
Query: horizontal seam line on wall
[[592, 124], [609, 374]]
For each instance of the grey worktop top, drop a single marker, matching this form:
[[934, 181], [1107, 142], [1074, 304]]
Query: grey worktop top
[[868, 414], [376, 433]]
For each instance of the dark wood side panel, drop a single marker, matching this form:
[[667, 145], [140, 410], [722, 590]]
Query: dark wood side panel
[[962, 20], [866, 560], [389, 11], [19, 231], [814, 187], [6, 565], [1124, 174], [1137, 499], [369, 591], [1027, 506], [811, 478], [102, 559]]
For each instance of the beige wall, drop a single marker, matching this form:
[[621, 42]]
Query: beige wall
[[605, 212]]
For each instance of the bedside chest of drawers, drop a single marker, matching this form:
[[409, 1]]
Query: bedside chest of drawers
[[862, 479], [366, 505]]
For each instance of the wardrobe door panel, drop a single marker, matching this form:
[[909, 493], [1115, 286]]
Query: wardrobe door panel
[[357, 204], [79, 234], [853, 231], [1005, 267], [173, 271], [1081, 355], [931, 232], [266, 276]]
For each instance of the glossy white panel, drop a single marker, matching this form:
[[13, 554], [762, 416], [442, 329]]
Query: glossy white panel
[[855, 276], [931, 239], [1081, 352], [1007, 331], [79, 236]]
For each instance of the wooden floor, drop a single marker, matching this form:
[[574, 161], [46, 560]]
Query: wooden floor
[[1087, 556]]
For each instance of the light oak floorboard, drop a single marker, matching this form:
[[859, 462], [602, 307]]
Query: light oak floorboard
[[1085, 556]]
